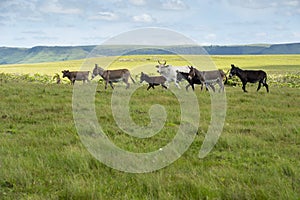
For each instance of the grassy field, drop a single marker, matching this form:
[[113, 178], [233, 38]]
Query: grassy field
[[256, 157], [280, 68], [270, 63]]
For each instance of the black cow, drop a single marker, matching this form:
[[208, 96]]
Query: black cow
[[153, 80], [111, 76], [76, 75], [251, 76]]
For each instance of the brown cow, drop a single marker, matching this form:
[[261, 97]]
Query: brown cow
[[111, 76], [76, 75]]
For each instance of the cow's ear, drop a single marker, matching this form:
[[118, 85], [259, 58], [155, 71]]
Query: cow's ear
[[157, 66]]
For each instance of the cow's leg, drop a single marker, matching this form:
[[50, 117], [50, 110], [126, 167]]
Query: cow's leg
[[244, 86]]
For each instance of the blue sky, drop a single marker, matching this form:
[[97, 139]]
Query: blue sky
[[90, 22]]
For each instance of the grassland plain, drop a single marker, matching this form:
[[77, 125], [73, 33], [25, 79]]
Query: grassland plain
[[268, 62], [256, 157]]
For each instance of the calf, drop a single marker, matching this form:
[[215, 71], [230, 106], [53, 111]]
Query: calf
[[153, 80], [76, 75], [111, 76]]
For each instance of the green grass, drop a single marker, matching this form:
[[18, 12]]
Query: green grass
[[256, 157]]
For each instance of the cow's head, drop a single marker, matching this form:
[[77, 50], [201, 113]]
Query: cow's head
[[161, 66], [66, 73]]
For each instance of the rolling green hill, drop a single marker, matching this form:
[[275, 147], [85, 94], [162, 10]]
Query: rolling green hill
[[61, 53], [42, 54]]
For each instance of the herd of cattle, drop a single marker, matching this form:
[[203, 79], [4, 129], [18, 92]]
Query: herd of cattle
[[176, 74]]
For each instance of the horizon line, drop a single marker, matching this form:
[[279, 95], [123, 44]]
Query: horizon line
[[201, 45]]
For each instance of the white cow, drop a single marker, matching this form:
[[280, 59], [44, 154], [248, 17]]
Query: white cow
[[170, 72]]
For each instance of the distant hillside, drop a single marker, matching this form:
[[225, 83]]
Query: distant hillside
[[42, 54], [48, 54]]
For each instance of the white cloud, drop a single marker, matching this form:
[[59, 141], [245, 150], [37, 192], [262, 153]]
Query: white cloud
[[137, 2], [213, 22], [293, 3], [211, 36], [109, 16], [15, 11], [143, 18], [296, 35], [253, 4], [55, 7], [174, 5], [261, 34]]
